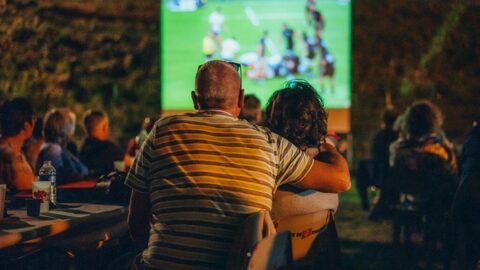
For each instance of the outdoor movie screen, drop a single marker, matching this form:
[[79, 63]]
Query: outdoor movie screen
[[273, 40]]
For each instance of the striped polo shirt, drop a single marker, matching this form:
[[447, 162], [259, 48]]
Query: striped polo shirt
[[204, 173]]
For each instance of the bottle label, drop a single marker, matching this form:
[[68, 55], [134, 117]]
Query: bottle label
[[47, 177]]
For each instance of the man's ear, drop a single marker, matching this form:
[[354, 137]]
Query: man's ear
[[195, 100], [241, 97], [27, 128]]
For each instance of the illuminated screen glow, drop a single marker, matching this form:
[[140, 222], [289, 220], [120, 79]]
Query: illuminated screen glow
[[187, 27]]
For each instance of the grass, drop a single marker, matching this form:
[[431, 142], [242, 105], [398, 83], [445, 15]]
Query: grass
[[182, 34]]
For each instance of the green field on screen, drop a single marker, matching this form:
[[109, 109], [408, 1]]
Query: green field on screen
[[182, 33]]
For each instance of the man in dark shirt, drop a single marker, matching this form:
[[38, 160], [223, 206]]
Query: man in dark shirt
[[374, 171], [380, 149], [464, 217], [381, 142], [470, 158], [98, 152]]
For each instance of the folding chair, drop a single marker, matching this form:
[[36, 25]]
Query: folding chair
[[255, 228], [314, 240]]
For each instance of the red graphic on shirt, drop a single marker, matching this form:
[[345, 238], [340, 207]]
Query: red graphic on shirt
[[306, 233]]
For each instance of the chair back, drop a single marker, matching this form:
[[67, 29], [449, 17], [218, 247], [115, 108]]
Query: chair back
[[255, 228], [427, 178], [272, 253]]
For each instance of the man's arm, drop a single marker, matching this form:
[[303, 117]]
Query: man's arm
[[139, 219], [331, 175]]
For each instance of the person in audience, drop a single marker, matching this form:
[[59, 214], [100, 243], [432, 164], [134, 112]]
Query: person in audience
[[470, 157], [252, 110], [423, 144], [380, 152], [423, 131], [71, 145], [380, 145], [136, 142], [464, 216], [297, 113], [58, 129], [199, 175], [32, 145], [16, 123], [98, 152]]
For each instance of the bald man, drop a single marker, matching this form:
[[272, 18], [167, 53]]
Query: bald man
[[200, 174]]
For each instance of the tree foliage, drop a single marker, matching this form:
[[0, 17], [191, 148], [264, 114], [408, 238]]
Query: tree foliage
[[83, 55], [410, 50]]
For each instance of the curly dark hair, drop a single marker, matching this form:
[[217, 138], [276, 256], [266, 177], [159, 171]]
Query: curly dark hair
[[297, 113], [423, 118]]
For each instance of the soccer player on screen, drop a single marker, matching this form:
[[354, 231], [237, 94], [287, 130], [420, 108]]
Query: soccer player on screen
[[230, 48], [259, 69], [327, 68], [315, 17], [209, 46], [216, 20], [311, 44], [288, 35]]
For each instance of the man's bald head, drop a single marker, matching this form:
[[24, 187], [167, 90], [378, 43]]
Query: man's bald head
[[217, 85]]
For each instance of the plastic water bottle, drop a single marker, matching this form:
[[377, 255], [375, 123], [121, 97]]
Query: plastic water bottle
[[48, 173]]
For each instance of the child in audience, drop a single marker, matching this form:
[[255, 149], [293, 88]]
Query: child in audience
[[98, 152]]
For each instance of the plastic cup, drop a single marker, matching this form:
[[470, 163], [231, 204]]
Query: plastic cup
[[3, 194], [119, 166], [33, 207], [41, 191]]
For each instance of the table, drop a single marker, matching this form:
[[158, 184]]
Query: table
[[82, 184], [90, 223]]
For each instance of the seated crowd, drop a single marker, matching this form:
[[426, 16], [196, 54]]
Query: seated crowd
[[199, 175], [421, 181], [27, 142]]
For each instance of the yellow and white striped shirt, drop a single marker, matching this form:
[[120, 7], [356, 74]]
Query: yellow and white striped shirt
[[204, 173]]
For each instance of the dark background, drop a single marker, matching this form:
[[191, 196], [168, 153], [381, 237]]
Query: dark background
[[105, 54]]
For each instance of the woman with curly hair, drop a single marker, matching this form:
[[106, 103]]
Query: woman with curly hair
[[297, 113]]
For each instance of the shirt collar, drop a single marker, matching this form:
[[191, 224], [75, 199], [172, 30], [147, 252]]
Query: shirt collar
[[213, 111]]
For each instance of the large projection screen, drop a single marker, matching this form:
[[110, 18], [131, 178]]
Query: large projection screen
[[274, 40]]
